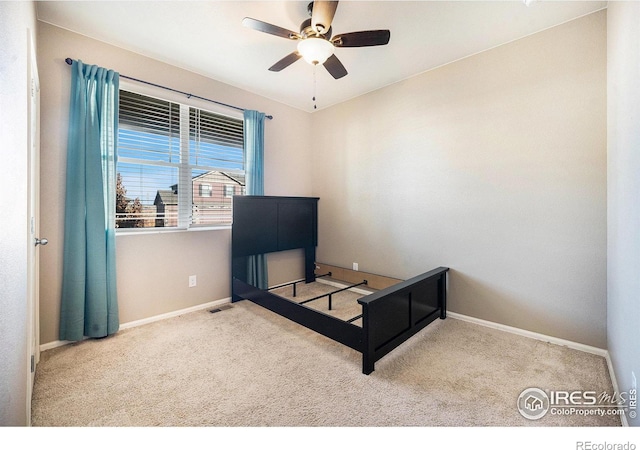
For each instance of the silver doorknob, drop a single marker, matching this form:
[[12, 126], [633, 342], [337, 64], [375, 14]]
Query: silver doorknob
[[41, 241]]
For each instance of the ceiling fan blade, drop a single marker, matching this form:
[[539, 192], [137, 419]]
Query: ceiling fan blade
[[322, 15], [335, 67], [285, 62], [265, 27], [362, 38]]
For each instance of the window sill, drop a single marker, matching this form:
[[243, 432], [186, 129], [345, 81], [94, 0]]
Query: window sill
[[147, 231]]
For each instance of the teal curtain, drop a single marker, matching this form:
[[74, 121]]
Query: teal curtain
[[254, 171], [89, 305]]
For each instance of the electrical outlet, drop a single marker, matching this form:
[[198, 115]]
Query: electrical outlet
[[192, 281], [355, 266]]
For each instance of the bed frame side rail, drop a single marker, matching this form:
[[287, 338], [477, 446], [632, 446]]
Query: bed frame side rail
[[393, 315], [329, 326]]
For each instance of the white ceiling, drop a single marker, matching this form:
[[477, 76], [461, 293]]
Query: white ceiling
[[207, 37]]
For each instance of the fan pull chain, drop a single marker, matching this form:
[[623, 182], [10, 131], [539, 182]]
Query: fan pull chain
[[315, 106]]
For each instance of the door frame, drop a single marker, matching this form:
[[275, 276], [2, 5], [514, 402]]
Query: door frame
[[33, 208]]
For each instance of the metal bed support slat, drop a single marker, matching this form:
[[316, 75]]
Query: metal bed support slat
[[330, 294], [295, 283]]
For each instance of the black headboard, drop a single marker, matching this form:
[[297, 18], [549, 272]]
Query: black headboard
[[266, 224]]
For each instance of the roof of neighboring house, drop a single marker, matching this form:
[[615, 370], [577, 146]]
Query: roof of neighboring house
[[170, 196], [166, 197], [236, 178]]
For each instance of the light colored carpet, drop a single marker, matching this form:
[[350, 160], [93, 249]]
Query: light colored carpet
[[245, 366]]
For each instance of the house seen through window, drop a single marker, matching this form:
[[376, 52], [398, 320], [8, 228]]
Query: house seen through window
[[178, 166]]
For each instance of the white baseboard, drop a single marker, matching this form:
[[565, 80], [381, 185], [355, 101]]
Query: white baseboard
[[137, 323], [614, 382], [520, 332], [552, 340], [485, 323], [530, 334]]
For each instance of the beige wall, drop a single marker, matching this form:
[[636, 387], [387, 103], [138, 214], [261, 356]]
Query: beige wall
[[153, 269], [623, 64], [494, 166]]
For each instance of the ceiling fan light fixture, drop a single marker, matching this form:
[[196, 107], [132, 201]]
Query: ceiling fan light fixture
[[315, 50]]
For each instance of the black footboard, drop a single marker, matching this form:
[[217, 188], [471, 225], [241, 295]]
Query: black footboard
[[393, 315]]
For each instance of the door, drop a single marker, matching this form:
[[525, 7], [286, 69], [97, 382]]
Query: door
[[34, 242]]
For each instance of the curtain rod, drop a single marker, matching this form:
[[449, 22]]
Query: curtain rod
[[188, 95]]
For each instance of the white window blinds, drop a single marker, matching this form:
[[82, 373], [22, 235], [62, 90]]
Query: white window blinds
[[174, 163]]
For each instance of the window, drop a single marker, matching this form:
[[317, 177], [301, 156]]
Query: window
[[205, 190], [175, 164]]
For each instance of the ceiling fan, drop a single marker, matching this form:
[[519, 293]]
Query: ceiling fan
[[315, 43]]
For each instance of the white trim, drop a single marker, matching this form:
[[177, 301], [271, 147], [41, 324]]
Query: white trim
[[185, 181], [485, 323], [519, 331], [161, 230], [137, 323], [552, 340], [180, 312], [614, 382], [531, 334]]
